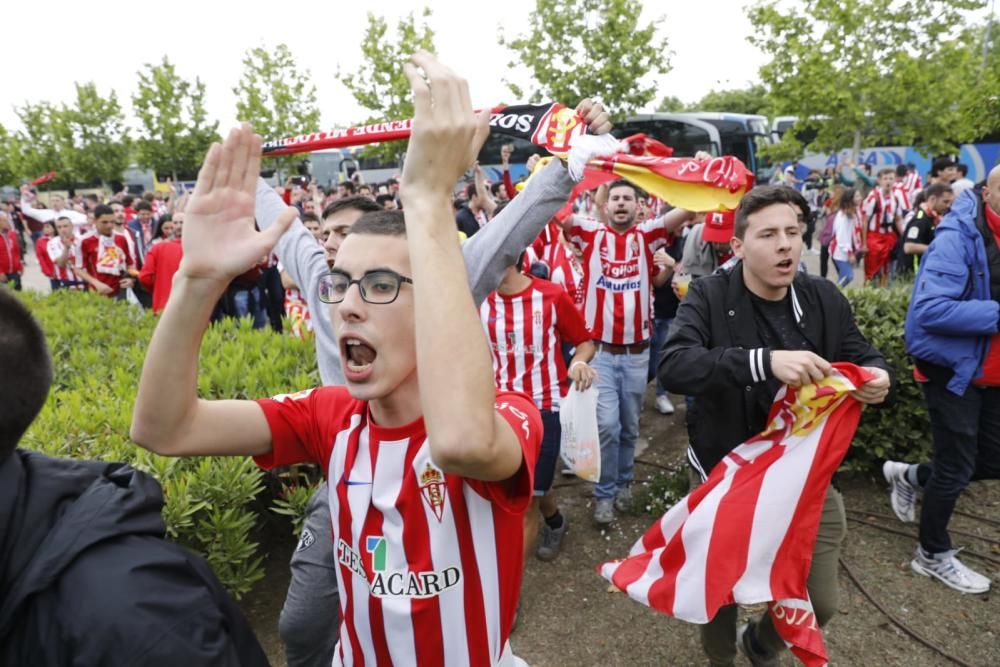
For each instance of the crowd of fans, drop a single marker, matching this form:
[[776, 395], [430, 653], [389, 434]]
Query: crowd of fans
[[590, 302]]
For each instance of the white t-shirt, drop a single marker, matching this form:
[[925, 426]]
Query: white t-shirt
[[843, 237]]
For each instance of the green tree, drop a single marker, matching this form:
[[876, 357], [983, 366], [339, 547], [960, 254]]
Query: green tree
[[43, 144], [750, 100], [982, 108], [886, 70], [590, 48], [10, 169], [671, 104], [96, 144], [380, 85], [175, 132], [275, 96]]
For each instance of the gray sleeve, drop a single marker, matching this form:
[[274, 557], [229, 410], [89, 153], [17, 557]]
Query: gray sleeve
[[302, 257], [691, 247], [497, 245]]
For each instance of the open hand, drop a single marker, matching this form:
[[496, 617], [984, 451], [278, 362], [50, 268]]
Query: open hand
[[219, 240], [447, 134]]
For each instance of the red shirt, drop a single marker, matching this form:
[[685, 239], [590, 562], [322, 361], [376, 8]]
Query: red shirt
[[991, 365], [428, 563], [56, 247], [157, 274], [105, 258], [44, 261], [618, 303], [526, 332], [10, 253]]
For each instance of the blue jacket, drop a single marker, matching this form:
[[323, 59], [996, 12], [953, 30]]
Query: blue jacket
[[951, 315]]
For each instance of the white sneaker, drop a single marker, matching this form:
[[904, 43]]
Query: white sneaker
[[664, 406], [946, 568], [903, 495]]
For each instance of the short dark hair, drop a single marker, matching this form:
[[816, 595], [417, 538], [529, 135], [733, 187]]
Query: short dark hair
[[127, 200], [380, 223], [846, 202], [495, 187], [622, 183], [143, 206], [103, 209], [763, 196], [470, 190], [936, 190], [309, 217], [901, 170], [963, 169], [941, 164], [348, 185], [52, 223], [886, 170], [354, 203], [24, 355]]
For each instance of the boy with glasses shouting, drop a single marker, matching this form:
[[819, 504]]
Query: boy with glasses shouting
[[429, 467]]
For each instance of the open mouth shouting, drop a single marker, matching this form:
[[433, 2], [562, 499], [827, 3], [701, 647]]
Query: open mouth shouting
[[359, 357], [785, 266]]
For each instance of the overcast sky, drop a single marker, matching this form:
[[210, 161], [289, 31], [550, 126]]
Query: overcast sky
[[48, 46]]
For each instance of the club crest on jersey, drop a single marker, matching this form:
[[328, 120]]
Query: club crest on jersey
[[433, 489]]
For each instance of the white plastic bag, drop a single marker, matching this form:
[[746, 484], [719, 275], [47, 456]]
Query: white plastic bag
[[581, 443]]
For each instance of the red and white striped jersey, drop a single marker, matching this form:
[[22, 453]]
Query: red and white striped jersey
[[880, 210], [428, 563], [902, 195], [913, 184], [55, 249], [618, 270], [526, 332]]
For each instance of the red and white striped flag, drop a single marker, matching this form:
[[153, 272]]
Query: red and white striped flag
[[746, 535]]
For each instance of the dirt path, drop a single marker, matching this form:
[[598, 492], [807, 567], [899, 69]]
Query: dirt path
[[568, 617]]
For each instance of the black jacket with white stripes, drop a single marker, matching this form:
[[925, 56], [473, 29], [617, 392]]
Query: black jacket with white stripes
[[715, 353]]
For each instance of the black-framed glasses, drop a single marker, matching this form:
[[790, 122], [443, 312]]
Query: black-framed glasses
[[377, 287]]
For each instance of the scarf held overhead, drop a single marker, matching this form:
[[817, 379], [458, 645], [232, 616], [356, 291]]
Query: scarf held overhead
[[718, 183], [746, 535]]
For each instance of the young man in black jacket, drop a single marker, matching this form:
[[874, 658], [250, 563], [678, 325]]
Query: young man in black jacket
[[86, 576], [738, 336]]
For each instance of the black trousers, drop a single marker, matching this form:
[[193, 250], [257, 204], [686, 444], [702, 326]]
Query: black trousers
[[966, 433]]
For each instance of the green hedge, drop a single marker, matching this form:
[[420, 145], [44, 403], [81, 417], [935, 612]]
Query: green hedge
[[902, 430], [98, 347]]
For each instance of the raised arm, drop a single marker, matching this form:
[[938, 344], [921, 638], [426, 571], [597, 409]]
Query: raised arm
[[454, 368], [498, 244], [219, 243], [485, 197]]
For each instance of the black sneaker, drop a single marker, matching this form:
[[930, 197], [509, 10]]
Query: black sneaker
[[746, 644]]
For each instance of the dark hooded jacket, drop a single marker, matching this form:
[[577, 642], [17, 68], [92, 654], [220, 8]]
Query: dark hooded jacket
[[87, 578]]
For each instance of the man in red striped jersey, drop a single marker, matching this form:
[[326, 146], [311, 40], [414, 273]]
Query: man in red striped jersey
[[430, 469], [618, 272], [883, 224], [64, 251], [527, 321]]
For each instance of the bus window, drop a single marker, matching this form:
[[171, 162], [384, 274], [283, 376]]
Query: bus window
[[686, 139]]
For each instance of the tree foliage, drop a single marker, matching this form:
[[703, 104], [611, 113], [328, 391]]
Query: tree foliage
[[751, 100], [97, 141], [380, 85], [175, 132], [41, 146], [590, 48], [275, 96], [890, 70]]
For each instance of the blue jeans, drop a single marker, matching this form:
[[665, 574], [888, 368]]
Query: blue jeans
[[248, 303], [660, 329], [621, 380], [845, 272]]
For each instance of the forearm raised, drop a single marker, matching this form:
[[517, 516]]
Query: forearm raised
[[454, 367], [168, 388]]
